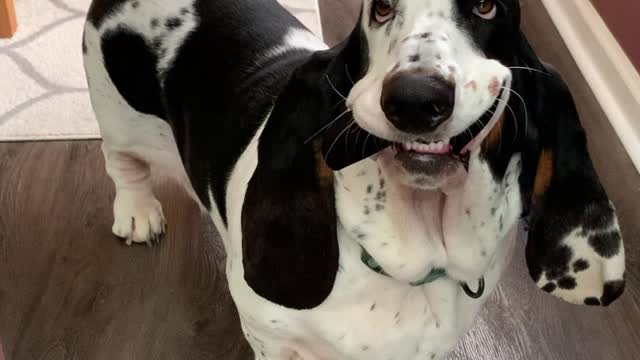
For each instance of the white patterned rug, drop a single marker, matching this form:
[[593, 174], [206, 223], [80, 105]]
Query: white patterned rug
[[43, 92]]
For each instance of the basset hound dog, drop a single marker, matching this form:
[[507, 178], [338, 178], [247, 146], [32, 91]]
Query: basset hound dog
[[368, 195]]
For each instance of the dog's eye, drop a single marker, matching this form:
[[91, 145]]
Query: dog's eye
[[382, 11], [486, 9]]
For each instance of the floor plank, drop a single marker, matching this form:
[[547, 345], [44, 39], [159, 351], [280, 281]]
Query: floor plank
[[71, 290]]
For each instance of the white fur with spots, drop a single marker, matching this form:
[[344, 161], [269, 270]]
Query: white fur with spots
[[588, 269]]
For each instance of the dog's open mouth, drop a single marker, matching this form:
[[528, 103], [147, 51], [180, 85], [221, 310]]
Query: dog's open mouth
[[421, 156], [431, 157]]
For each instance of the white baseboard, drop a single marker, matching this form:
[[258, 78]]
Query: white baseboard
[[605, 66]]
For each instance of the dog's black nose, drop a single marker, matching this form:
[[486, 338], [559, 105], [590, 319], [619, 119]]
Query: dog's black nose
[[416, 102]]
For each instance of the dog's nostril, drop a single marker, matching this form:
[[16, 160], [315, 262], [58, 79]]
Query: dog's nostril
[[417, 102]]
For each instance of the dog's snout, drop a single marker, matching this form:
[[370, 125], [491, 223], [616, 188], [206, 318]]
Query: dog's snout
[[417, 102]]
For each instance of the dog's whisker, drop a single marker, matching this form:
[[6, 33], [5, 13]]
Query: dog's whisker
[[346, 69], [338, 103], [526, 113], [334, 88], [346, 139], [358, 135], [515, 119], [499, 134], [470, 133], [327, 126], [346, 128], [528, 68], [364, 146]]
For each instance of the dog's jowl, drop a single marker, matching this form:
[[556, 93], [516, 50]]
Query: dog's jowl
[[368, 195]]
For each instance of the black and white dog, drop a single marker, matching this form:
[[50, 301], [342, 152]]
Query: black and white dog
[[368, 195]]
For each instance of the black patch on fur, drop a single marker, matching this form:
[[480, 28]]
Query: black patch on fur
[[357, 233], [606, 245], [289, 218], [567, 283], [557, 264], [216, 103], [157, 42], [414, 58], [173, 23], [134, 75], [184, 11], [135, 4], [592, 301], [598, 217], [155, 22], [612, 291], [550, 287], [580, 265]]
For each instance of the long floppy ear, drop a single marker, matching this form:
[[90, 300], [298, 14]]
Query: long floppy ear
[[574, 249], [290, 248]]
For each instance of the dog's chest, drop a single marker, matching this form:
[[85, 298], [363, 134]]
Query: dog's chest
[[367, 316]]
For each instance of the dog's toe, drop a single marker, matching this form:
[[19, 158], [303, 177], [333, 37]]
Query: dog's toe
[[138, 219]]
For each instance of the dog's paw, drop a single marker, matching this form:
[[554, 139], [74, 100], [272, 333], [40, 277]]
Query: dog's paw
[[587, 267], [138, 217]]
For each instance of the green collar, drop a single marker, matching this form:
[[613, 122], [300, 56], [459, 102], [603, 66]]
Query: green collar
[[435, 274]]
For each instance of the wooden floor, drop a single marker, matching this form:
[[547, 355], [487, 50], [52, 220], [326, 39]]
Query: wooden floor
[[70, 290]]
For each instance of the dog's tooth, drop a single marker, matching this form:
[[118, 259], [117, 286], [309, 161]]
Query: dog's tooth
[[407, 146]]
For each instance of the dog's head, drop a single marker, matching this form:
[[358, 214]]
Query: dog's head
[[432, 85], [433, 79], [427, 82]]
